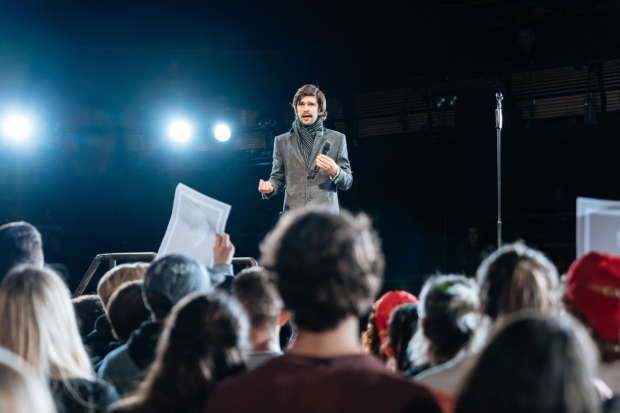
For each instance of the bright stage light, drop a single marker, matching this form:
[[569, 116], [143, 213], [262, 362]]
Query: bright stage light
[[17, 127], [222, 133], [180, 131]]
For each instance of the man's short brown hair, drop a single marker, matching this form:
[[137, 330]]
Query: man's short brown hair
[[311, 90], [327, 266], [117, 276], [20, 243], [126, 310], [258, 294]]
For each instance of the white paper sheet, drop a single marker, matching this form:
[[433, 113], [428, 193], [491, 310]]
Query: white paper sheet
[[598, 226], [195, 220]]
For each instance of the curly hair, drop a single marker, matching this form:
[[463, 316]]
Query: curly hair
[[609, 351], [371, 343], [328, 266]]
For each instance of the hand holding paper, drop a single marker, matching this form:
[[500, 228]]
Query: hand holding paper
[[223, 250], [197, 228]]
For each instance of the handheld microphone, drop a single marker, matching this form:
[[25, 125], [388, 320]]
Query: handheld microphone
[[326, 149]]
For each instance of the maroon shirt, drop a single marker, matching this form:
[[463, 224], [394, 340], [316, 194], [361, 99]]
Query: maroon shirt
[[298, 384]]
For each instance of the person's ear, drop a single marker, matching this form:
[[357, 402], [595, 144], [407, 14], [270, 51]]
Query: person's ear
[[283, 318]]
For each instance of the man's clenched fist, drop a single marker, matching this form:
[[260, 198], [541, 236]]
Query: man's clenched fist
[[265, 187]]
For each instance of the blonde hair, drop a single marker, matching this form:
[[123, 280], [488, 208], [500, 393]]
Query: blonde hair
[[117, 276], [39, 324], [20, 391]]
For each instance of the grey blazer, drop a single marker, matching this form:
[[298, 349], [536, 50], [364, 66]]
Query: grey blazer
[[289, 173]]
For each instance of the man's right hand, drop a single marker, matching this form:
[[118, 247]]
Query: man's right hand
[[265, 187]]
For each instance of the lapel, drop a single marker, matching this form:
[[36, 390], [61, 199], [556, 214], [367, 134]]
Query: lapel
[[319, 141], [295, 143]]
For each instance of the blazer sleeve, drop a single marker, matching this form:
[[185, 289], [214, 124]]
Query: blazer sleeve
[[277, 172], [344, 180]]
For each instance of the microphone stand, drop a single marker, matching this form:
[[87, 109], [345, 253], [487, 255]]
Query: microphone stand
[[498, 126]]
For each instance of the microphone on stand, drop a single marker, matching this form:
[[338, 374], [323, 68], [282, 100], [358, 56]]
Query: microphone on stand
[[326, 149]]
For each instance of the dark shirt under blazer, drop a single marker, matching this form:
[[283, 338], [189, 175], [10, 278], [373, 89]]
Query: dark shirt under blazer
[[289, 173]]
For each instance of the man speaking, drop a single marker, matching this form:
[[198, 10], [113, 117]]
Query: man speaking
[[310, 163]]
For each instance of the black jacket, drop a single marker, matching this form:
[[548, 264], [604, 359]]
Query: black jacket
[[83, 396], [142, 343], [100, 341]]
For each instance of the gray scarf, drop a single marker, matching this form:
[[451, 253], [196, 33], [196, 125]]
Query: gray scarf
[[306, 136]]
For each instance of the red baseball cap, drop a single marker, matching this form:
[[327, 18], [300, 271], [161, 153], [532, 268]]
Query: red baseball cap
[[593, 286], [388, 302]]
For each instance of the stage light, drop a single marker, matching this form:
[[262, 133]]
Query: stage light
[[452, 101], [17, 127], [222, 133], [439, 102], [180, 131]]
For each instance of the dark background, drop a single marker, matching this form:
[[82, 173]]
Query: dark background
[[102, 77]]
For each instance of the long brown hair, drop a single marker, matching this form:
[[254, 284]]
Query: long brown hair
[[201, 345]]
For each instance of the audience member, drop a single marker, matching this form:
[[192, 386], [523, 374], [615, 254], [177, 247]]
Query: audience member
[[88, 308], [329, 267], [512, 279], [166, 282], [448, 318], [126, 310], [374, 339], [261, 301], [20, 243], [592, 295], [205, 336], [402, 326], [535, 364], [20, 390], [39, 325], [117, 276], [101, 341], [469, 252]]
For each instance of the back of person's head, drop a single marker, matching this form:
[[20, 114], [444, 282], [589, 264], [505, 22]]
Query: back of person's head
[[402, 326], [375, 338], [329, 266], [258, 294], [87, 309], [535, 364], [126, 310], [117, 276], [20, 243], [39, 324], [20, 390], [201, 345], [169, 279], [592, 295], [516, 278], [448, 310]]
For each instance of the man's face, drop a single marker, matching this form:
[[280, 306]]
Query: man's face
[[473, 235], [308, 110]]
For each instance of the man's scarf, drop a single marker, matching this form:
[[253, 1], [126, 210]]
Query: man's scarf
[[306, 137]]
